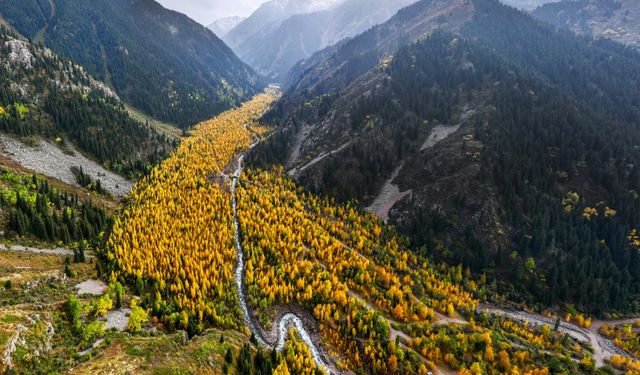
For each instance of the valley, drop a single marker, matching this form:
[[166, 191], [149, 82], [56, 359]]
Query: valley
[[429, 187], [412, 301], [267, 298]]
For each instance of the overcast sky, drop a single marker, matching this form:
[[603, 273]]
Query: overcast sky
[[207, 11]]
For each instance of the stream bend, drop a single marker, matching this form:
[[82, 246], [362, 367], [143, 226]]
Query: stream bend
[[286, 321]]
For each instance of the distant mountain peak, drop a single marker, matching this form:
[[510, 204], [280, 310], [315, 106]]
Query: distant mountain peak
[[274, 49], [271, 14], [222, 26], [526, 4]]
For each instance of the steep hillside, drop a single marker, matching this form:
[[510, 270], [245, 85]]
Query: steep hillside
[[461, 142], [618, 20], [44, 96], [273, 52], [157, 60]]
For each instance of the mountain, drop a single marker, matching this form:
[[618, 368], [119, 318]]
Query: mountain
[[489, 138], [269, 16], [338, 66], [273, 52], [222, 26], [618, 20], [45, 96], [157, 60]]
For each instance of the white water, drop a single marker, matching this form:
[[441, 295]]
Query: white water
[[288, 320]]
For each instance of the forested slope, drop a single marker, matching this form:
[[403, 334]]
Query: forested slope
[[537, 173], [157, 60], [44, 95]]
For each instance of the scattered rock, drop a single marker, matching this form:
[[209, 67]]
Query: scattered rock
[[92, 287], [50, 160], [20, 53], [16, 340], [118, 319]]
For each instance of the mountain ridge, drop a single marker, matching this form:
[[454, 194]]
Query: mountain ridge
[[270, 14], [222, 26], [273, 51], [49, 97], [354, 121], [139, 48], [617, 20]]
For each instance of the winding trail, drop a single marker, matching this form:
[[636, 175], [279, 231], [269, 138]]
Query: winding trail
[[288, 320], [26, 249], [603, 348], [295, 171]]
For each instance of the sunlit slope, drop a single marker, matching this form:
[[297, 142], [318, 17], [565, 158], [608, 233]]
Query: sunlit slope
[[354, 275], [175, 235], [378, 307]]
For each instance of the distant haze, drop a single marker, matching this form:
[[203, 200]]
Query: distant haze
[[207, 11]]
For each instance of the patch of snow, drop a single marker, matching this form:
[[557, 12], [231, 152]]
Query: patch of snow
[[222, 26]]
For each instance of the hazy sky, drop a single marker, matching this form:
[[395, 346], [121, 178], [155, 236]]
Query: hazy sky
[[207, 11]]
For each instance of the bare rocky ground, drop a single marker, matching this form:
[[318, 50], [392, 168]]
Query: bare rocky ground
[[388, 197], [439, 133], [390, 193], [52, 161], [92, 287], [117, 319]]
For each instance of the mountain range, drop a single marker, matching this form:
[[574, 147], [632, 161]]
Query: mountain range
[[618, 20], [270, 14], [222, 26], [430, 136], [527, 4], [276, 47], [433, 186]]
